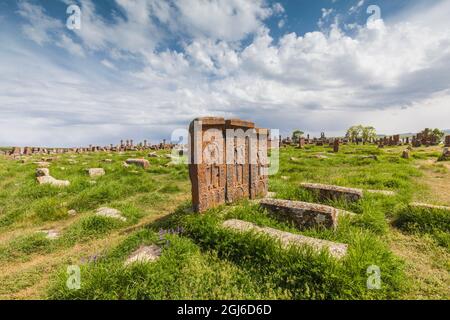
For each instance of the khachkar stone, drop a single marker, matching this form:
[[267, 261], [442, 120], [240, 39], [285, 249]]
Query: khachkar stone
[[396, 139], [301, 143], [238, 158], [227, 162], [447, 141], [259, 167], [336, 145], [207, 167]]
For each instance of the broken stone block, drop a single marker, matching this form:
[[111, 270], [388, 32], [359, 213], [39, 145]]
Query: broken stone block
[[52, 181], [330, 192], [304, 214], [41, 172], [111, 213], [96, 172], [72, 212], [336, 250], [138, 162], [144, 254]]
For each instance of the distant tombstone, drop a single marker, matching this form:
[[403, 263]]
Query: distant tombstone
[[336, 145], [447, 141], [301, 143]]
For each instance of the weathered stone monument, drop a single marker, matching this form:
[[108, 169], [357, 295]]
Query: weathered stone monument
[[447, 141], [227, 161], [336, 145]]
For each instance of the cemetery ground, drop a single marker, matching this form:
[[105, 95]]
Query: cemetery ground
[[44, 229]]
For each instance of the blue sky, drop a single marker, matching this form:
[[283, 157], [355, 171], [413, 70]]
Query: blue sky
[[138, 69]]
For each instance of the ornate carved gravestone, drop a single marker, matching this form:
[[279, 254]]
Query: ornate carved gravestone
[[207, 168], [238, 158], [259, 179], [227, 162]]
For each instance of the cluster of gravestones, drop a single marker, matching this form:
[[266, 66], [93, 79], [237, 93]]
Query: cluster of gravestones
[[127, 145], [302, 142], [424, 139], [392, 141]]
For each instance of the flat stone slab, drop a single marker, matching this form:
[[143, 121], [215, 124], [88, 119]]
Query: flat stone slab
[[428, 206], [96, 172], [110, 213], [50, 234], [52, 181], [139, 162], [144, 254], [331, 192], [337, 250], [383, 192], [304, 214]]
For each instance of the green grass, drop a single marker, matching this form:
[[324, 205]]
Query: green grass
[[206, 261], [431, 221]]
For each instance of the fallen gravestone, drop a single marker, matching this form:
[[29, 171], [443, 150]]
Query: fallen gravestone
[[428, 206], [330, 192], [52, 181], [144, 254], [337, 250], [138, 162], [110, 213], [304, 214], [96, 172]]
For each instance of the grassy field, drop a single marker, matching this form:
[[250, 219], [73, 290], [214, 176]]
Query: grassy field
[[203, 261]]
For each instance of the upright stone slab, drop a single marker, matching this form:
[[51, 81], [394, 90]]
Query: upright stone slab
[[238, 135], [207, 168], [259, 171], [227, 162], [447, 141], [303, 214], [336, 145]]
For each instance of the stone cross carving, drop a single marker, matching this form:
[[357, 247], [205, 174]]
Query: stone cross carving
[[227, 161]]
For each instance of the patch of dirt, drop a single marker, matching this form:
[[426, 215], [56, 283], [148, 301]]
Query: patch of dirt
[[436, 176]]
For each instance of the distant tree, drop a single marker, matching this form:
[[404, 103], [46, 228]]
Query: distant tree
[[354, 133], [439, 134], [296, 135], [368, 134]]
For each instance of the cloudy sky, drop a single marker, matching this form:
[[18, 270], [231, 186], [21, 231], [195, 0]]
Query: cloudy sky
[[139, 69]]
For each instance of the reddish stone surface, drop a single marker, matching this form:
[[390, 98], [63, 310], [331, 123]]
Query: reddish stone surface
[[207, 169], [447, 141], [226, 167]]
